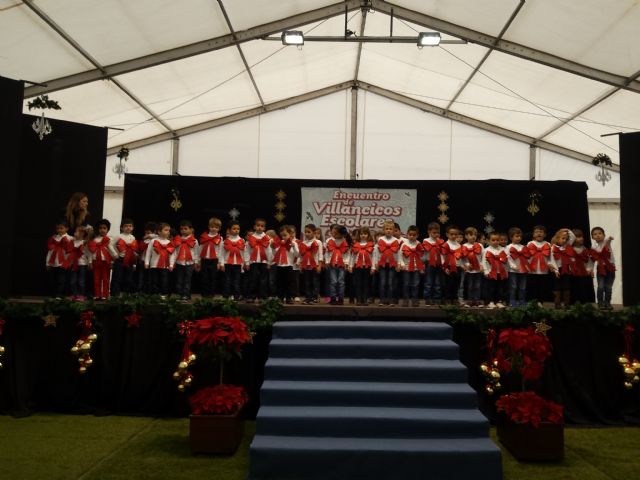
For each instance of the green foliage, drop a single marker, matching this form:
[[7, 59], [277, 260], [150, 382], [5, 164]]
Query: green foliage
[[43, 102], [267, 313]]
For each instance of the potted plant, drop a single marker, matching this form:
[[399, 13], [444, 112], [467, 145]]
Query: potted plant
[[531, 428], [215, 425]]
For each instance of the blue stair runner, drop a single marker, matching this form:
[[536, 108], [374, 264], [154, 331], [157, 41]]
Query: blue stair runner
[[369, 400]]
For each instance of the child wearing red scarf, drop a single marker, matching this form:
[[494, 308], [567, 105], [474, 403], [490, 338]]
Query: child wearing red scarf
[[58, 248], [158, 260], [337, 257], [185, 259], [411, 253], [101, 259], [605, 266], [494, 265], [518, 257], [310, 263], [285, 253], [210, 251], [562, 258], [386, 261], [540, 264], [361, 261], [581, 270], [471, 262], [257, 260], [451, 264], [124, 248], [232, 260]]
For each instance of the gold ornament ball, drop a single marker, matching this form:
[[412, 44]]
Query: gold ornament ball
[[622, 360], [629, 372], [183, 365], [176, 375], [635, 365], [75, 350], [0, 365], [495, 374], [92, 338], [497, 386], [495, 363], [1, 349], [88, 362], [187, 381], [181, 387], [628, 385], [80, 359], [82, 369], [489, 389], [484, 368], [85, 347], [192, 357], [635, 379]]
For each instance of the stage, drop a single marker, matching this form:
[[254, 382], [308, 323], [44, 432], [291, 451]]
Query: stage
[[133, 365]]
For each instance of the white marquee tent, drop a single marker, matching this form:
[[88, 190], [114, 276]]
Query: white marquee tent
[[197, 90]]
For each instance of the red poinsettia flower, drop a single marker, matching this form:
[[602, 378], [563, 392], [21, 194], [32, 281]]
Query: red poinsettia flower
[[218, 400], [527, 407], [523, 350], [229, 332]]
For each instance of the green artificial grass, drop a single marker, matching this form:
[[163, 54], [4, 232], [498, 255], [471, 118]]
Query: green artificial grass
[[52, 446]]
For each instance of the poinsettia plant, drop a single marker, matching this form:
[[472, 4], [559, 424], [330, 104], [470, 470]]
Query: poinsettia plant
[[523, 350], [218, 400], [527, 407]]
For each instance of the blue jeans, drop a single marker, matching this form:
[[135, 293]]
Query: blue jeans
[[232, 274], [517, 288], [410, 281], [77, 281], [387, 283], [336, 282], [183, 279], [474, 286], [433, 284], [605, 284], [122, 278]]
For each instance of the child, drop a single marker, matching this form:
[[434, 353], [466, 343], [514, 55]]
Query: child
[[58, 247], [472, 257], [77, 262], [433, 260], [581, 271], [539, 264], [518, 258], [185, 259], [337, 258], [158, 260], [562, 258], [386, 260], [124, 248], [360, 264], [310, 263], [257, 260], [101, 258], [285, 251], [150, 229], [605, 265], [460, 239], [296, 268], [232, 260], [412, 266], [451, 264], [494, 264], [210, 251]]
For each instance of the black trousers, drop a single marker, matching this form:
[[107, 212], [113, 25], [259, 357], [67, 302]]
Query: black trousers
[[208, 276], [183, 273], [122, 278], [538, 287], [311, 282], [232, 274], [159, 281], [361, 283], [284, 283], [451, 286], [258, 280]]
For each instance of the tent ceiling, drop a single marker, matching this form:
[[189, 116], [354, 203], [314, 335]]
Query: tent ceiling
[[563, 72]]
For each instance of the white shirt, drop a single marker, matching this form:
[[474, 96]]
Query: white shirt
[[317, 257], [195, 250], [226, 257], [287, 260], [113, 246], [57, 262], [465, 260], [346, 256], [547, 259], [486, 265], [260, 258], [152, 257], [598, 247], [514, 265], [377, 256], [210, 249]]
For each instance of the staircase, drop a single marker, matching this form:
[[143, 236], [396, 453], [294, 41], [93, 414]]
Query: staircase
[[369, 400]]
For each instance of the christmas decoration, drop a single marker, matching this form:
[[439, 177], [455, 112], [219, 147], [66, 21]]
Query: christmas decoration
[[630, 365], [534, 200], [42, 126], [443, 207], [234, 213], [524, 351], [176, 203], [489, 218], [602, 160], [542, 327], [50, 320], [82, 347], [527, 407], [133, 319], [218, 400], [490, 368], [120, 168], [280, 206], [2, 322], [182, 374]]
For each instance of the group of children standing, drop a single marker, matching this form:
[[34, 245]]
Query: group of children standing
[[264, 263]]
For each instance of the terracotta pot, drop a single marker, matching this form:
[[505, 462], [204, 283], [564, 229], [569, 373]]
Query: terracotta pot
[[219, 434], [526, 442]]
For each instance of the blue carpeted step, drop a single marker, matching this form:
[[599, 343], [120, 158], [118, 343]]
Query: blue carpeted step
[[321, 458], [363, 329], [362, 348], [369, 394], [366, 369], [370, 422]]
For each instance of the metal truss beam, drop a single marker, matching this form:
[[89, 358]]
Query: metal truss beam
[[209, 45], [505, 46]]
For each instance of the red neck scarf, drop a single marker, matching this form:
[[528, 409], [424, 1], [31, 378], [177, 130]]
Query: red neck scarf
[[184, 246], [563, 256], [451, 257], [59, 249], [539, 257], [497, 262], [337, 252], [604, 261], [234, 248], [308, 255], [413, 257], [579, 265], [100, 249], [434, 252], [471, 254], [521, 258], [282, 248], [259, 245], [388, 253], [209, 245], [129, 250], [74, 255], [163, 251], [363, 254]]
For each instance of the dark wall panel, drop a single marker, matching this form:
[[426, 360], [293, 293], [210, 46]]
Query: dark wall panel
[[629, 208]]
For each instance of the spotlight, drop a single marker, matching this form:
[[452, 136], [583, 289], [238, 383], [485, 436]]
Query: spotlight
[[292, 37], [428, 39]]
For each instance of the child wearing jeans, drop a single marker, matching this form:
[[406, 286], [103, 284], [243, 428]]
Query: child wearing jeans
[[472, 257], [518, 256], [412, 267], [605, 266], [337, 259], [433, 261]]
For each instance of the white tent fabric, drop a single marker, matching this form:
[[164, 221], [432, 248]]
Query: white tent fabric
[[600, 36]]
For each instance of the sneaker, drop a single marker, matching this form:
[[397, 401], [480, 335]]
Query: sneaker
[[289, 301], [405, 302], [491, 306], [415, 302], [500, 305], [81, 298], [339, 301], [297, 300]]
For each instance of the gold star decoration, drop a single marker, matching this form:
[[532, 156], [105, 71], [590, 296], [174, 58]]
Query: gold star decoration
[[50, 320], [443, 196], [542, 327], [281, 195], [443, 218], [279, 216], [443, 207], [280, 205]]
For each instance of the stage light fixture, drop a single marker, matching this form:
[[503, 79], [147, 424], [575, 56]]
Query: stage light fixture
[[428, 39], [292, 37]]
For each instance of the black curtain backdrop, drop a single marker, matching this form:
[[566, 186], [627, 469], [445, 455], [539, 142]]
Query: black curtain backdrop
[[71, 159], [11, 97], [629, 206], [150, 197]]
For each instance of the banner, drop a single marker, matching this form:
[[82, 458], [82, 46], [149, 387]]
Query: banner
[[357, 207]]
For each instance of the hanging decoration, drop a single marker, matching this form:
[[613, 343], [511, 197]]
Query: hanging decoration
[[489, 218], [280, 206], [490, 368], [176, 203], [443, 218], [2, 322], [82, 347], [542, 327], [41, 125], [120, 168], [133, 320], [234, 213], [534, 203], [50, 320], [630, 365], [602, 160], [182, 374]]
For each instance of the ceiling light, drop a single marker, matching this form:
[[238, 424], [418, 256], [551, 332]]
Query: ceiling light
[[292, 37], [428, 39]]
